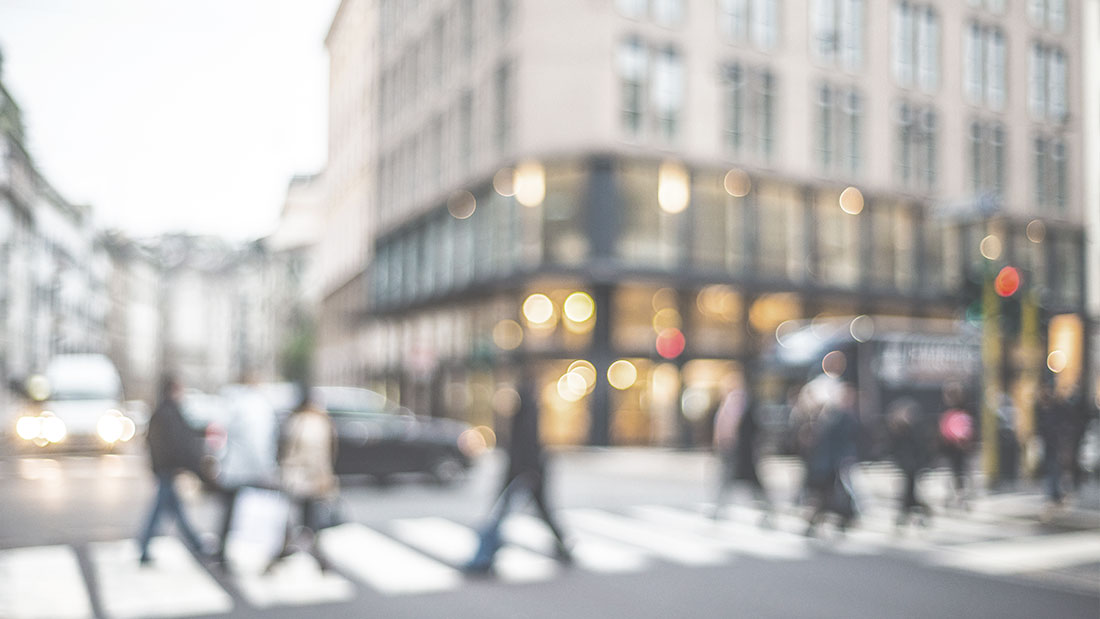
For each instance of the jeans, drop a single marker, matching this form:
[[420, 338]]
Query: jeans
[[168, 501]]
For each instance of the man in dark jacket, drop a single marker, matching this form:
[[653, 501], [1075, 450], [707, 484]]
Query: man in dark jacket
[[173, 447], [909, 445], [526, 472]]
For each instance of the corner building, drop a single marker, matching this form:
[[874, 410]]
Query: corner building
[[651, 187]]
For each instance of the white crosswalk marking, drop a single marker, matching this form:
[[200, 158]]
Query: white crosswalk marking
[[43, 582], [686, 548], [295, 581], [1029, 554], [736, 536], [384, 564], [456, 544], [173, 585], [591, 552]]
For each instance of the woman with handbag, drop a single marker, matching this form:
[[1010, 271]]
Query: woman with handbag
[[306, 457]]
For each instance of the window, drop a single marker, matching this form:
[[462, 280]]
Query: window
[[1049, 14], [916, 46], [668, 92], [893, 259], [633, 69], [1047, 83], [984, 68], [465, 130], [668, 12], [719, 239], [1050, 172], [987, 158], [755, 21], [503, 96], [749, 111], [779, 231], [916, 153], [837, 27], [840, 130], [631, 8], [648, 235], [837, 242]]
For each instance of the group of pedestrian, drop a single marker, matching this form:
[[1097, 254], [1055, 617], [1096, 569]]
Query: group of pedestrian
[[297, 461]]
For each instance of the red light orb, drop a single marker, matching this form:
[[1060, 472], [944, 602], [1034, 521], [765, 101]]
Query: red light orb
[[1007, 282], [670, 343]]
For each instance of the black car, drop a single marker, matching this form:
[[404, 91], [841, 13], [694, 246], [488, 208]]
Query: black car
[[382, 439]]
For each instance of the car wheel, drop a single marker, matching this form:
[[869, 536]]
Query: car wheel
[[448, 469]]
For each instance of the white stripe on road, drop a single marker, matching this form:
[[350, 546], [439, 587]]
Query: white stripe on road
[[42, 582], [592, 553], [678, 548], [383, 564], [172, 585], [296, 581], [457, 544], [736, 536], [1020, 555]]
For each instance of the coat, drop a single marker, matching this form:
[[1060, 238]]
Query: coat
[[307, 455], [173, 445], [251, 442]]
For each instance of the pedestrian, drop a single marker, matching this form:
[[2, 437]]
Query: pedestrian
[[173, 447], [1052, 422], [526, 474], [307, 452], [250, 452], [1008, 445], [736, 434], [832, 453], [956, 440], [909, 446]]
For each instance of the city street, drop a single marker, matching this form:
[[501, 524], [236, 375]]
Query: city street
[[644, 547]]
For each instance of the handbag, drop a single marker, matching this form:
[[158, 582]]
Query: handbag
[[259, 518]]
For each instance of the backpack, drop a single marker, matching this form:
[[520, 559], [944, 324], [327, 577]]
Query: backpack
[[956, 428]]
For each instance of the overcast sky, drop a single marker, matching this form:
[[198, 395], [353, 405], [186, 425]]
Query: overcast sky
[[171, 115]]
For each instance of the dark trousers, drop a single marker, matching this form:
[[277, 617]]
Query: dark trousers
[[910, 501], [167, 503], [532, 485]]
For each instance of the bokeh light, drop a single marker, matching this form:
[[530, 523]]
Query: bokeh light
[[990, 247], [1007, 282], [1036, 231], [1057, 361], [508, 334], [529, 183], [673, 187], [665, 297], [572, 387], [504, 182], [538, 309], [851, 201], [671, 343], [461, 204], [862, 328], [834, 364], [579, 307], [622, 374], [667, 318], [586, 371], [737, 183]]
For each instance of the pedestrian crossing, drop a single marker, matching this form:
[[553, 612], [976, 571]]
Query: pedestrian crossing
[[423, 556]]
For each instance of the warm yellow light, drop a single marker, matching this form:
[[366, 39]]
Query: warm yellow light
[[990, 247], [665, 297], [767, 312], [719, 301], [737, 183], [508, 334], [571, 387], [851, 201], [53, 429], [538, 309], [1057, 361], [109, 428], [529, 183], [1036, 231], [129, 429], [667, 318], [673, 187], [28, 427], [38, 387], [461, 204], [586, 371], [622, 374], [579, 307], [504, 182]]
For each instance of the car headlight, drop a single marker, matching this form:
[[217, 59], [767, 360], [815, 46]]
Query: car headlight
[[28, 428], [53, 429], [110, 427]]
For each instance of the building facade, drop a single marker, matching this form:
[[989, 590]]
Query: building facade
[[634, 195]]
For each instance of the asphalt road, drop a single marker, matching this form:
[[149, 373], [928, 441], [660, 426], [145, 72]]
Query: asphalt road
[[644, 549]]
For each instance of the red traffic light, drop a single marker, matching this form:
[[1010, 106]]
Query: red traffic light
[[1007, 282]]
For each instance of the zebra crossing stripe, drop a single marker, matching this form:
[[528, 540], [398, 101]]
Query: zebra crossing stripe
[[590, 552], [173, 585], [456, 544], [686, 549], [42, 583], [384, 564], [735, 536], [296, 581], [1019, 555]]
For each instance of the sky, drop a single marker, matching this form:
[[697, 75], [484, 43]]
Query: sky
[[171, 116]]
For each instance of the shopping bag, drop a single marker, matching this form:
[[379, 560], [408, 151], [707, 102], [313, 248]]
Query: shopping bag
[[259, 520]]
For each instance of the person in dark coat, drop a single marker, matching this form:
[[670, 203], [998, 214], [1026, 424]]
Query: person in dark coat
[[909, 446], [1052, 420], [831, 455], [526, 473], [173, 447], [956, 441], [736, 434]]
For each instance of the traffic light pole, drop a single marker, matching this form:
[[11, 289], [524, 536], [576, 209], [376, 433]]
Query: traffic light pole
[[991, 378]]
